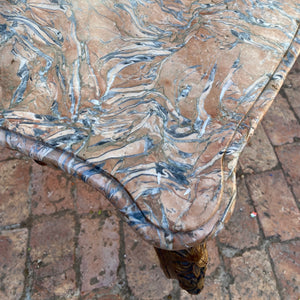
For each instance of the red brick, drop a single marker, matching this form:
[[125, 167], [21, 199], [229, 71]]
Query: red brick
[[6, 153], [280, 123], [53, 287], [289, 156], [292, 87], [274, 202], [51, 190], [89, 200], [144, 275], [286, 259], [99, 244], [14, 197], [213, 257], [292, 81], [110, 297], [253, 277], [102, 294], [52, 248], [293, 92], [213, 290], [296, 68], [241, 231], [12, 263], [258, 155]]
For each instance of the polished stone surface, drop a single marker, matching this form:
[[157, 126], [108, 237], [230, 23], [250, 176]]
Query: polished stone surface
[[150, 102]]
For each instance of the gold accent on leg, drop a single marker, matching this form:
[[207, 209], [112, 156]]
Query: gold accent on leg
[[188, 266]]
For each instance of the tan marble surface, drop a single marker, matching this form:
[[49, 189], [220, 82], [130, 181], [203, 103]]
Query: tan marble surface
[[151, 102]]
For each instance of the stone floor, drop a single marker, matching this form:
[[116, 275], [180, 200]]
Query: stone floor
[[59, 239]]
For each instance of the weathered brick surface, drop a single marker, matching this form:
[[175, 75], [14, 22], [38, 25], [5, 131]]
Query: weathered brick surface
[[259, 155], [241, 231], [286, 259], [274, 202], [280, 123], [145, 278], [289, 156], [110, 297], [293, 96], [99, 244], [61, 286], [102, 294], [14, 186], [213, 290], [9, 154], [213, 259], [51, 190], [52, 251], [89, 200], [12, 263], [253, 277], [292, 88]]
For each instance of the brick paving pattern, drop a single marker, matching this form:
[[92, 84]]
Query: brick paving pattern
[[60, 239]]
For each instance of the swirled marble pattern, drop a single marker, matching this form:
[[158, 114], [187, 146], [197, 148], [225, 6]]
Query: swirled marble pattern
[[150, 101]]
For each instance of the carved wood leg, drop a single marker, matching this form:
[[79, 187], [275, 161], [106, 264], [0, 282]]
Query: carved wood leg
[[188, 266]]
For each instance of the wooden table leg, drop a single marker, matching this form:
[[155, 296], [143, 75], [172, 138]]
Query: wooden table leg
[[188, 266]]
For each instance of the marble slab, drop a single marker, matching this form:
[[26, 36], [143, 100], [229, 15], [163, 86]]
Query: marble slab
[[149, 101]]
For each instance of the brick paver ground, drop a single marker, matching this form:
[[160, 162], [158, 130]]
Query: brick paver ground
[[60, 239]]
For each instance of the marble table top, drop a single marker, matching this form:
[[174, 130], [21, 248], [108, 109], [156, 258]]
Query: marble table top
[[151, 102]]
